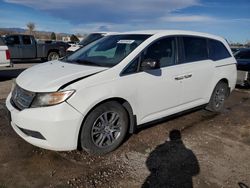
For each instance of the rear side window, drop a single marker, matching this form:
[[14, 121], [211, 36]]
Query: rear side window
[[217, 50], [26, 40], [195, 49]]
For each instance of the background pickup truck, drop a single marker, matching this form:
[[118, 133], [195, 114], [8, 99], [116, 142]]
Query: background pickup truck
[[26, 47]]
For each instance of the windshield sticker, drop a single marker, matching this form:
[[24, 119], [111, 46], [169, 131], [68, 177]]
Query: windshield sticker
[[125, 41]]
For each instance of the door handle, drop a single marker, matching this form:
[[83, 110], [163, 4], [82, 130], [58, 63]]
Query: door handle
[[188, 76], [179, 78]]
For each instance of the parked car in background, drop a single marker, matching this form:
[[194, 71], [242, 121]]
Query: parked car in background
[[72, 43], [234, 50], [26, 47], [87, 40], [243, 66], [4, 54], [94, 97]]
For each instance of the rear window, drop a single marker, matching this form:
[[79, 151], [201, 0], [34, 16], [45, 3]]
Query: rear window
[[217, 50], [195, 49], [26, 40]]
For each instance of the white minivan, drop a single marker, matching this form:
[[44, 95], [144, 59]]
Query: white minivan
[[102, 92]]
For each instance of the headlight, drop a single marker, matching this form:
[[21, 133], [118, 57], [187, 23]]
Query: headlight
[[49, 99]]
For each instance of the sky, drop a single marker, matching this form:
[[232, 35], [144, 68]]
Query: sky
[[227, 18]]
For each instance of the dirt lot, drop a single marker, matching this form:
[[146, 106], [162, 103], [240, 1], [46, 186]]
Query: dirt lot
[[214, 151]]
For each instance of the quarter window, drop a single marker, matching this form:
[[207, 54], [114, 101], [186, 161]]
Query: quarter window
[[132, 68], [163, 51], [217, 50], [195, 49]]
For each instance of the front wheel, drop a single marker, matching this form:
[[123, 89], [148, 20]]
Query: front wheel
[[104, 128], [218, 97]]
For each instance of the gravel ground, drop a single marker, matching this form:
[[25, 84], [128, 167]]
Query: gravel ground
[[208, 150]]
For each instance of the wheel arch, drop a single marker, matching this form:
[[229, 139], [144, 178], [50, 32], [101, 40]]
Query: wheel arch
[[127, 107], [226, 81], [53, 50]]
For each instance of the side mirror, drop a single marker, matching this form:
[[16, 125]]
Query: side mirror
[[149, 64]]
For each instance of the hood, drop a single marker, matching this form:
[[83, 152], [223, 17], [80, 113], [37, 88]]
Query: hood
[[50, 76], [73, 48]]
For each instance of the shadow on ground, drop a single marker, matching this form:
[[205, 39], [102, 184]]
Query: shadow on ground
[[27, 61], [243, 87], [171, 164], [9, 74], [242, 185]]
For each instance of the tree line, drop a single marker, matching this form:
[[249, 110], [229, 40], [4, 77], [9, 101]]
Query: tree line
[[31, 30]]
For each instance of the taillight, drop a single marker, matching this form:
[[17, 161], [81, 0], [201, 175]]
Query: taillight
[[7, 52]]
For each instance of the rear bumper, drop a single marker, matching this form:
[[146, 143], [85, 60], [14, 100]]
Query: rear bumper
[[54, 128], [5, 64], [243, 78]]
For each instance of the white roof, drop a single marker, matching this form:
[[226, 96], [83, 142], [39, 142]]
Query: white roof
[[104, 33], [173, 32]]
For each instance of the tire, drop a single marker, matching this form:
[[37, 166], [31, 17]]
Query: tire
[[53, 56], [104, 129], [217, 100], [11, 64]]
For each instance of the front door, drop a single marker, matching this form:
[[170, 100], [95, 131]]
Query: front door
[[159, 90], [28, 48]]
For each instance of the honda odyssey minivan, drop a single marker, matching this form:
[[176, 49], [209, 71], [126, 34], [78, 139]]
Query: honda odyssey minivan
[[94, 97]]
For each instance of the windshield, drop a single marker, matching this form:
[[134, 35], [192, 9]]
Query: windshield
[[91, 38], [108, 51]]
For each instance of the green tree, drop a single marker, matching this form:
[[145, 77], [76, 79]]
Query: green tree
[[31, 27], [53, 36], [74, 38]]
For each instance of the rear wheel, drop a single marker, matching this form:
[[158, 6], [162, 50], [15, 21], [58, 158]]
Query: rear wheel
[[218, 97], [104, 128], [53, 56]]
